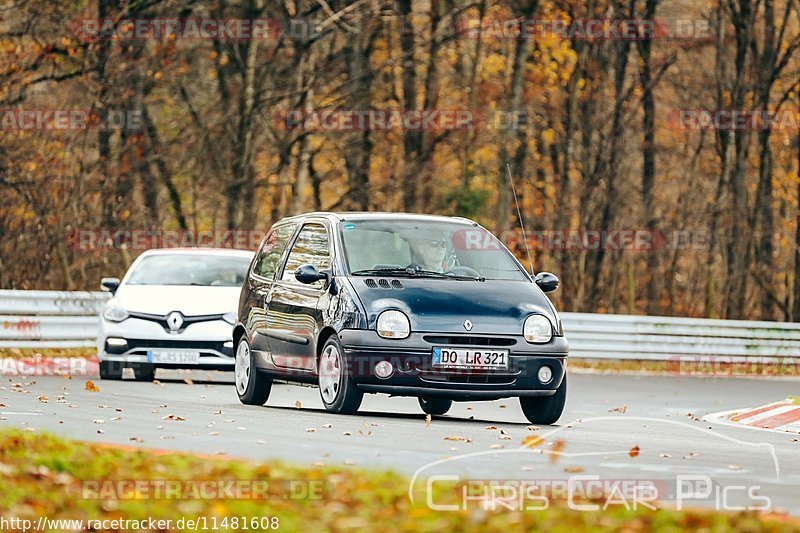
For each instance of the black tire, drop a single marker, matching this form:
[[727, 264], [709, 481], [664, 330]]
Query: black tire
[[252, 386], [111, 369], [435, 406], [545, 409], [337, 389], [144, 371]]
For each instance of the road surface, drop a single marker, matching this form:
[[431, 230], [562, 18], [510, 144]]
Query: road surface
[[606, 417]]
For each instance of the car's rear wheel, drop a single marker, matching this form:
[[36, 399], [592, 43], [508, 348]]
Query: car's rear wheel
[[252, 386], [144, 371], [111, 370], [338, 390], [435, 406], [545, 409]]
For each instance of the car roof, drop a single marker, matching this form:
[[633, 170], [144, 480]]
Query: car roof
[[364, 215], [200, 251]]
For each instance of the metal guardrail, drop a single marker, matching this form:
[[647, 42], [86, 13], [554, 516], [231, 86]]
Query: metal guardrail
[[49, 319], [60, 319]]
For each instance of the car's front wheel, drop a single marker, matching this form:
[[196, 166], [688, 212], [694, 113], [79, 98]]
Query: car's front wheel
[[252, 386], [111, 370], [435, 406], [144, 371], [545, 409], [338, 390]]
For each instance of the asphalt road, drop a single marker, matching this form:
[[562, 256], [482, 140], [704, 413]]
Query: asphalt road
[[606, 417]]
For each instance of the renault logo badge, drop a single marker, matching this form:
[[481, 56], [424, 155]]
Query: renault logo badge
[[174, 321], [468, 325]]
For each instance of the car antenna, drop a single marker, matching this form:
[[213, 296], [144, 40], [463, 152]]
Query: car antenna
[[519, 215]]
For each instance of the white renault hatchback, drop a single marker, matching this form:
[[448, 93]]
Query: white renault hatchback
[[175, 308]]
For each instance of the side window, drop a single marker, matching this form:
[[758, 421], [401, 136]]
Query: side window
[[310, 247], [270, 254]]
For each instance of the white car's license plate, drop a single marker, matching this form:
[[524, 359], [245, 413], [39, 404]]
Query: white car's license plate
[[444, 357], [173, 357]]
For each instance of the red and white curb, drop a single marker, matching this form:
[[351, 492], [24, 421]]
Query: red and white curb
[[781, 417]]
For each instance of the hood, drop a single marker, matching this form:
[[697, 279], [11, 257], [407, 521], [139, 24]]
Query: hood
[[439, 305], [189, 300]]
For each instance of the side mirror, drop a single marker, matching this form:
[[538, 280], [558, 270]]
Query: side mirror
[[109, 285], [309, 274], [546, 281]]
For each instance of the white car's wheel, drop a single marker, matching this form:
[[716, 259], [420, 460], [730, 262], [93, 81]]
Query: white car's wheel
[[252, 386], [339, 392]]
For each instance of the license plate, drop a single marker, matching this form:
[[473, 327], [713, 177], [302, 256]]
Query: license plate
[[173, 357], [469, 358]]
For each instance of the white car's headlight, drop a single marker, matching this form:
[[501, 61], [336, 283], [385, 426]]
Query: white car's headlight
[[537, 329], [230, 318], [114, 312], [393, 325]]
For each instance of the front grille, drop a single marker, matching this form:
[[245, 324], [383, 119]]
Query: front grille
[[466, 340], [468, 379], [142, 345]]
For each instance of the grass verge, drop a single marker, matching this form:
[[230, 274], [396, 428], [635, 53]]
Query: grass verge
[[25, 353], [45, 475]]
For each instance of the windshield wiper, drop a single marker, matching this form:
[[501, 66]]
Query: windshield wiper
[[413, 272], [385, 272]]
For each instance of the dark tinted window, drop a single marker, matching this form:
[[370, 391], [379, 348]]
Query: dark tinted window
[[311, 247], [270, 255]]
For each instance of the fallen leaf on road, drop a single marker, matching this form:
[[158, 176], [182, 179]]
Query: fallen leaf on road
[[213, 434], [98, 421], [188, 381], [3, 405], [558, 446], [91, 387], [115, 418], [44, 399], [665, 455], [217, 412], [136, 439], [533, 428], [618, 409], [490, 428], [533, 441], [573, 469], [173, 417], [634, 452], [297, 404], [310, 430], [460, 439], [118, 410], [691, 455], [504, 437], [428, 421], [327, 426], [502, 406], [346, 433], [100, 431]]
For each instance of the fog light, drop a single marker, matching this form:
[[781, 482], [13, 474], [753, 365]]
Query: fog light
[[227, 344], [384, 369], [545, 374], [117, 343]]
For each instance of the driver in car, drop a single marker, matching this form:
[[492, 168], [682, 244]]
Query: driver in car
[[428, 251]]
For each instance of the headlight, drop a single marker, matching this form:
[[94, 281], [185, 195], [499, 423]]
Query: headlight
[[230, 318], [393, 325], [537, 329], [114, 312]]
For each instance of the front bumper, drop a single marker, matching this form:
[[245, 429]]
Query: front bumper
[[415, 376], [213, 339]]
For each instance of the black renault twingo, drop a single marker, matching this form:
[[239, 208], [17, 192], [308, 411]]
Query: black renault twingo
[[408, 305]]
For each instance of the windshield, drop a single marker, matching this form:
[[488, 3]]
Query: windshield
[[190, 269], [450, 248]]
